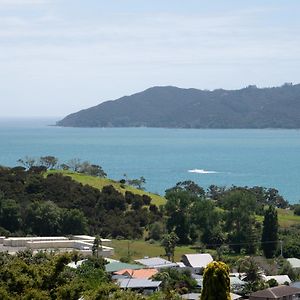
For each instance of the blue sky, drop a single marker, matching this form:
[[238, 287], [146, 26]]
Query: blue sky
[[60, 56]]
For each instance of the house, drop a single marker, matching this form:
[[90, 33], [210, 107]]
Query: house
[[117, 266], [139, 274], [294, 262], [281, 279], [196, 296], [144, 286], [156, 263], [282, 292], [197, 262]]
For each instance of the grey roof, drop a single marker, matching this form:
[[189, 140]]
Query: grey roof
[[198, 260], [156, 262], [281, 279], [193, 296], [133, 283], [235, 296], [295, 284], [117, 266], [295, 262], [196, 296], [276, 292], [236, 281]]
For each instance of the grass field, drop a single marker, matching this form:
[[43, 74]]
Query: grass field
[[140, 248], [99, 183], [286, 218]]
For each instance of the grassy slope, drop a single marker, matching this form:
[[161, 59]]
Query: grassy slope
[[286, 218], [141, 248], [99, 183]]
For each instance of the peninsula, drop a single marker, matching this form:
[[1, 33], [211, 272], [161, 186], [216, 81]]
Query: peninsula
[[173, 107]]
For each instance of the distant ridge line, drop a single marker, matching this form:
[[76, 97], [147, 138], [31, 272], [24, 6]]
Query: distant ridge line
[[173, 107]]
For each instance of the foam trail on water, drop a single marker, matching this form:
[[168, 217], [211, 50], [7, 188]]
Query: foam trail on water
[[201, 171]]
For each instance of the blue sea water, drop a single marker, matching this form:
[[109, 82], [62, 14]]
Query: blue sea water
[[269, 158]]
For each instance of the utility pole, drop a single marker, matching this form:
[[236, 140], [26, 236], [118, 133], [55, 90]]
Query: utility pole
[[281, 251]]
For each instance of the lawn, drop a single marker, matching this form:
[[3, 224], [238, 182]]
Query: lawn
[[99, 183], [140, 249]]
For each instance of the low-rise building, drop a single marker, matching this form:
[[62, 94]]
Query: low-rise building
[[197, 262], [156, 263], [81, 243], [144, 286], [282, 292], [281, 279]]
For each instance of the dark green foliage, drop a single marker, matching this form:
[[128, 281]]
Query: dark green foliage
[[9, 214], [290, 241], [192, 108], [178, 209], [156, 231], [169, 243], [31, 203], [272, 282], [189, 186], [216, 282], [297, 209], [270, 232], [179, 281], [240, 219]]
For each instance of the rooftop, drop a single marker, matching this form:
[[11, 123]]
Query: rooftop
[[276, 292], [156, 262]]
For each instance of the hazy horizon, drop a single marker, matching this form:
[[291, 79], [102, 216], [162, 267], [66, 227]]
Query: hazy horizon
[[58, 57]]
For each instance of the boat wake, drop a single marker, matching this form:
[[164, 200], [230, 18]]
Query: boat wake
[[201, 171]]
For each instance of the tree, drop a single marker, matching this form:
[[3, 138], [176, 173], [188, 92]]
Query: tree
[[96, 245], [169, 243], [206, 219], [139, 183], [216, 282], [9, 214], [253, 275], [297, 209], [188, 186], [27, 161], [49, 161], [73, 221], [178, 208], [239, 217], [44, 218], [90, 169], [269, 239], [74, 164]]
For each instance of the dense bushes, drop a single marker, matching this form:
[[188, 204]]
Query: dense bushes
[[31, 203]]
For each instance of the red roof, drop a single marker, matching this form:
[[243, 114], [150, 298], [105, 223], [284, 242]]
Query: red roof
[[141, 274]]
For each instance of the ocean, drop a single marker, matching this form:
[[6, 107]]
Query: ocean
[[225, 157]]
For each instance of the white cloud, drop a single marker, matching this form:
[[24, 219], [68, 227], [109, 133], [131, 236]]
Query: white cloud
[[22, 2], [75, 61]]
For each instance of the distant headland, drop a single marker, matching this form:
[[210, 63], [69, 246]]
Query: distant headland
[[173, 107]]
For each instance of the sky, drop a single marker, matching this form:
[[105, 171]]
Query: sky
[[60, 56]]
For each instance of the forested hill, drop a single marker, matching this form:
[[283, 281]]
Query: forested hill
[[251, 107]]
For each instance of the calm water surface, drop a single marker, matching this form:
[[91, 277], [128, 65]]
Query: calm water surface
[[268, 158]]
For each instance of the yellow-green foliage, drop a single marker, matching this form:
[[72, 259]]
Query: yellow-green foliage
[[99, 183], [216, 282]]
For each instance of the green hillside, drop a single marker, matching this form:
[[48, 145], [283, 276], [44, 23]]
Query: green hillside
[[99, 183]]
